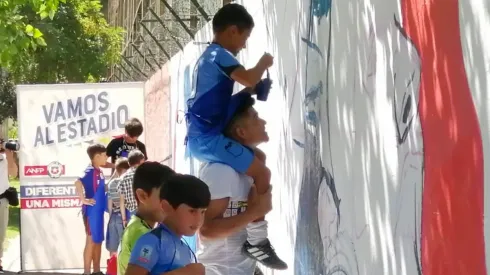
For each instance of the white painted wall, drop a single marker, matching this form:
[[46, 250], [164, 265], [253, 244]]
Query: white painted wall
[[347, 182]]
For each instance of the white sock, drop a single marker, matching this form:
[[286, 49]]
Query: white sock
[[257, 232]]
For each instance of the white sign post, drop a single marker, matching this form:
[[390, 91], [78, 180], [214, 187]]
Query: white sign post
[[56, 125]]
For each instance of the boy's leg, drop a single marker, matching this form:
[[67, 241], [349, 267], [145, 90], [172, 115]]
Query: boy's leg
[[96, 254], [87, 251]]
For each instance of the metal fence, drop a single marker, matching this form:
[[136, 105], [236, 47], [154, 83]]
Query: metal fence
[[155, 30]]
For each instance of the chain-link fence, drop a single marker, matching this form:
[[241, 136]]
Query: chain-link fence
[[155, 31]]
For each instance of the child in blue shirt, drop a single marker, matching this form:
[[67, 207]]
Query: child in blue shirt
[[210, 108], [90, 188], [163, 250]]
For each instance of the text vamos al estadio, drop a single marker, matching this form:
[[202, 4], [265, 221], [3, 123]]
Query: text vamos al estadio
[[79, 117]]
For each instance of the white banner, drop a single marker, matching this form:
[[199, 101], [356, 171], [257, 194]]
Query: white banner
[[56, 125]]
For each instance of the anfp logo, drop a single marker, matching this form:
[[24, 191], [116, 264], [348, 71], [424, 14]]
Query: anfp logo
[[34, 170]]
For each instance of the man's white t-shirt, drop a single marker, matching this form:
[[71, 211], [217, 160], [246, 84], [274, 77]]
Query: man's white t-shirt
[[4, 173], [224, 256]]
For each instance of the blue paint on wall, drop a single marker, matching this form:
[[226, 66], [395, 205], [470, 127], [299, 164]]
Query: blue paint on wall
[[321, 8]]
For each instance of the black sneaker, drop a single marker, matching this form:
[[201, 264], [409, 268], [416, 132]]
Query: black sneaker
[[265, 254], [1, 269], [97, 273], [258, 271]]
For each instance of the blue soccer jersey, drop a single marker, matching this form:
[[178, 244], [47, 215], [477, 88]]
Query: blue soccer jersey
[[160, 251], [211, 91]]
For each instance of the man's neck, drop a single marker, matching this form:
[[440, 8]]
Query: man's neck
[[126, 139], [146, 217], [95, 166]]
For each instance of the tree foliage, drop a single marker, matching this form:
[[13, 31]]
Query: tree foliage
[[80, 46], [16, 34]]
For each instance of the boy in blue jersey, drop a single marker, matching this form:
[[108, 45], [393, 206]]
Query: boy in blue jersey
[[90, 188], [210, 108], [163, 251]]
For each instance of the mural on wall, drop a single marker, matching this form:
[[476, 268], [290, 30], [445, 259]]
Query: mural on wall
[[382, 139], [452, 228], [327, 245]]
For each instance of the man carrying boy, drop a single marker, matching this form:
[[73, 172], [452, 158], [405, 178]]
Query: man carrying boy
[[125, 188], [91, 189], [148, 180], [236, 205], [214, 77], [162, 251], [115, 226]]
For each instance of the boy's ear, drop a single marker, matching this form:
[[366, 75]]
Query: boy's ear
[[166, 206], [141, 195]]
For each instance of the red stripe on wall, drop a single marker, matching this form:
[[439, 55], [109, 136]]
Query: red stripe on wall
[[452, 216]]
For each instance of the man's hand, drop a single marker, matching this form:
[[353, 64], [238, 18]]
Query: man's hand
[[266, 61], [259, 204], [90, 202], [195, 269], [125, 223]]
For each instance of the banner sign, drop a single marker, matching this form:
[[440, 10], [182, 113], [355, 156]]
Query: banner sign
[[56, 125]]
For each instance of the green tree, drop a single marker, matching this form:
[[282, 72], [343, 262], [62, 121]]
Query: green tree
[[81, 46], [17, 36]]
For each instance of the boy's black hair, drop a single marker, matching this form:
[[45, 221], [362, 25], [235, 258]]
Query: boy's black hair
[[135, 157], [95, 149], [241, 112], [232, 15], [150, 175], [185, 189], [133, 127]]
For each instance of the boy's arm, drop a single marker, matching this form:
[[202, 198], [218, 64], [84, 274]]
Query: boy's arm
[[109, 205], [80, 190], [190, 269], [249, 78], [136, 270], [122, 204], [233, 69], [144, 255]]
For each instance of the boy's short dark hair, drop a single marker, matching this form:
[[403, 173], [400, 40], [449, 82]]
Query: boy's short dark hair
[[232, 15], [241, 112], [150, 175], [95, 149], [135, 157], [122, 164], [133, 127], [185, 189]]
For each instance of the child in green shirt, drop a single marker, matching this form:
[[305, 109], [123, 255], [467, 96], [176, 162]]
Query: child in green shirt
[[147, 182]]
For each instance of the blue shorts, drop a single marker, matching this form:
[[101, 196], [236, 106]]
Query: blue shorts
[[221, 149], [115, 230]]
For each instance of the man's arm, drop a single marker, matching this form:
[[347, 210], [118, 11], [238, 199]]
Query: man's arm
[[217, 227], [142, 148]]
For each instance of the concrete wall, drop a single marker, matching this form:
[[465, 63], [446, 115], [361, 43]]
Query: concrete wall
[[380, 109]]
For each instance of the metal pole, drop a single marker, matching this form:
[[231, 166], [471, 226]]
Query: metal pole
[[178, 18], [142, 56], [165, 27], [156, 41], [201, 10], [134, 66]]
